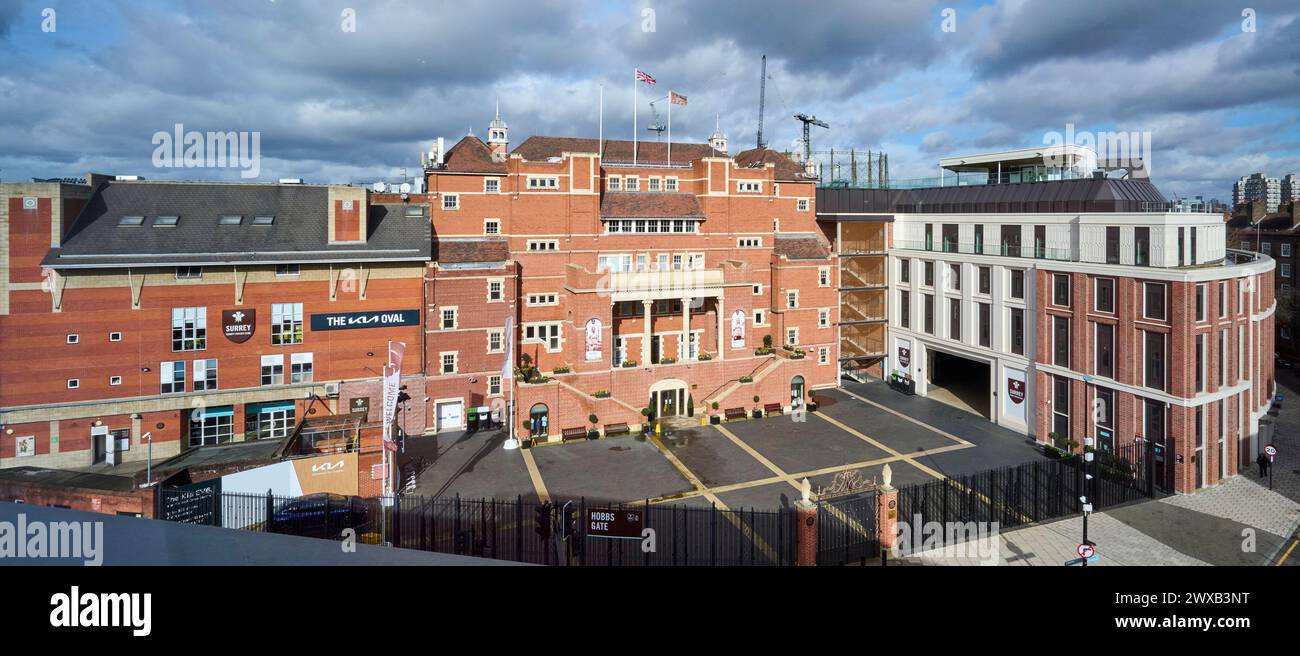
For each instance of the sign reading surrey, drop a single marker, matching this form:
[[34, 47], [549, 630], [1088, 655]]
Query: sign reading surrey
[[350, 320]]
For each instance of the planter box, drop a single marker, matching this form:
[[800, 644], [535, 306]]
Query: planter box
[[757, 414], [715, 419]]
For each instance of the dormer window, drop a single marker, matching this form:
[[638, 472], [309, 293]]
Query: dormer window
[[414, 212], [230, 220], [263, 220], [615, 183], [633, 183], [131, 221], [166, 221]]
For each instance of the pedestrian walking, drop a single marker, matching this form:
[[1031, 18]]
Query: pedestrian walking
[[1262, 461]]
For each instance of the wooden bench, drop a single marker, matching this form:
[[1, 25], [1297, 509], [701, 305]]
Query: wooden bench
[[573, 434], [772, 409], [733, 413], [617, 429]]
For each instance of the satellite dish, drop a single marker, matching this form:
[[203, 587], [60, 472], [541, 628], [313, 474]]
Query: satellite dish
[[379, 187], [405, 188]]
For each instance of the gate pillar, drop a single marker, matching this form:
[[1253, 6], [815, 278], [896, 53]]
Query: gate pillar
[[805, 513], [887, 511]]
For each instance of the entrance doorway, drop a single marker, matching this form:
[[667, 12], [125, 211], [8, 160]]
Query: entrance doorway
[[450, 415], [539, 420], [959, 382], [668, 398], [797, 392]]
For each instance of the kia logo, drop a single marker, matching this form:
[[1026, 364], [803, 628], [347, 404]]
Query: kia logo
[[327, 466]]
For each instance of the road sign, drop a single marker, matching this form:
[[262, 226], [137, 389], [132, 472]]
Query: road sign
[[618, 524], [1080, 561], [1084, 551], [1270, 450]]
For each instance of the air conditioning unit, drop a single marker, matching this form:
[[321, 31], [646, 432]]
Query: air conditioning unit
[[331, 389]]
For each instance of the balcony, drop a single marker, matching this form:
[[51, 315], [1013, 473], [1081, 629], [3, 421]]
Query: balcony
[[1003, 250], [647, 285]]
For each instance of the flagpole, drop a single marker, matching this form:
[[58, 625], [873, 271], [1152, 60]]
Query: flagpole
[[670, 127], [600, 141], [634, 80]]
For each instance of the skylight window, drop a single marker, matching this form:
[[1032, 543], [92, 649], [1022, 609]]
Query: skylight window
[[414, 211], [131, 221], [230, 220], [263, 220], [166, 221]]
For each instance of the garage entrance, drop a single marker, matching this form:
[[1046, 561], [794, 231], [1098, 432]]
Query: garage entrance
[[958, 381]]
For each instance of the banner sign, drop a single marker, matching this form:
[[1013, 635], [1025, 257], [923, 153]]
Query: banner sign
[[238, 325], [1014, 406], [379, 319], [592, 339], [738, 329]]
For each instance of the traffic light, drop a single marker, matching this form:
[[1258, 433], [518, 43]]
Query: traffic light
[[570, 520], [544, 520]]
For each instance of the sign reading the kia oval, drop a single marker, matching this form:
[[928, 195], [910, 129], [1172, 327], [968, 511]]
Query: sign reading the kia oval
[[238, 325]]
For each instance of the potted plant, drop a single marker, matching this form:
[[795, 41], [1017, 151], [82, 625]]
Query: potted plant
[[527, 441], [704, 357], [601, 394], [714, 418], [746, 379], [561, 370], [628, 364], [690, 405], [594, 432], [758, 412], [812, 402]]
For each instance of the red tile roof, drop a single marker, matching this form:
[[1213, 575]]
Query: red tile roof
[[801, 248], [786, 168], [471, 155], [466, 251], [539, 148], [655, 205]]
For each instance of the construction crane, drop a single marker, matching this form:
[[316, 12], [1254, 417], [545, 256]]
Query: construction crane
[[807, 139], [656, 126], [762, 100]]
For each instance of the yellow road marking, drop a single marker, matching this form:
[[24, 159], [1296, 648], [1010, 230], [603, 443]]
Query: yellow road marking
[[862, 436], [1288, 551], [758, 456], [903, 416], [536, 475]]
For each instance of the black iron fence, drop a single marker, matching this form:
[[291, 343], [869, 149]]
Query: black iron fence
[[847, 531]]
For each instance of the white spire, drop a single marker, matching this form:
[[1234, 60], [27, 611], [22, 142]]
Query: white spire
[[717, 140]]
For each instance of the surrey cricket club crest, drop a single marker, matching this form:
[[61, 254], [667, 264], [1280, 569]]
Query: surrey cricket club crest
[[904, 357], [1016, 390], [238, 325]]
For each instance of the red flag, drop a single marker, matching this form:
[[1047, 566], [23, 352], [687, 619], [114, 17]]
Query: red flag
[[644, 76], [676, 98]]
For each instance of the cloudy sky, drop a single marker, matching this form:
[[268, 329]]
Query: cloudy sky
[[1217, 91]]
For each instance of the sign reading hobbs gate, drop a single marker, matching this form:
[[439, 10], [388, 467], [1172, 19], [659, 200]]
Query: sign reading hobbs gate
[[379, 319]]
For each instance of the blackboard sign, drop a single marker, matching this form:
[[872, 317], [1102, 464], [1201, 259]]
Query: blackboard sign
[[378, 319], [197, 503]]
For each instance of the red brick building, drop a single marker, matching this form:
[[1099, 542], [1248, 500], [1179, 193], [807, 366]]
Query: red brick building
[[631, 281], [196, 313]]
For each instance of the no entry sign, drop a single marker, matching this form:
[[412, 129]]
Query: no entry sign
[[1085, 551]]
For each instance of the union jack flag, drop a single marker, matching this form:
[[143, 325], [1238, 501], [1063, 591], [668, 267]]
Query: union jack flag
[[644, 76]]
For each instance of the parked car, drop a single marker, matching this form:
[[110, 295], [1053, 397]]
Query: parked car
[[320, 515]]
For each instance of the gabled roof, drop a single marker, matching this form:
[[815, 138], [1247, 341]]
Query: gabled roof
[[801, 247], [786, 168], [650, 205], [471, 155], [540, 149], [471, 251], [299, 232]]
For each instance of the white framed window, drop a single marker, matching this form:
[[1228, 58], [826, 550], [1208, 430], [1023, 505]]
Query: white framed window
[[1285, 249], [792, 336], [115, 336], [614, 183], [1267, 248], [205, 375], [824, 276], [543, 182], [114, 381], [171, 377], [537, 300], [543, 333], [494, 386], [189, 273], [801, 205], [451, 201], [496, 290], [792, 299], [670, 184], [491, 226], [823, 355], [189, 329], [300, 367], [447, 318], [749, 186], [653, 184], [286, 323], [449, 363], [632, 183], [495, 341], [823, 318], [760, 318], [749, 242], [1286, 270], [543, 245], [273, 369], [613, 263], [73, 338], [287, 269], [758, 289], [491, 185], [1154, 302], [74, 383]]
